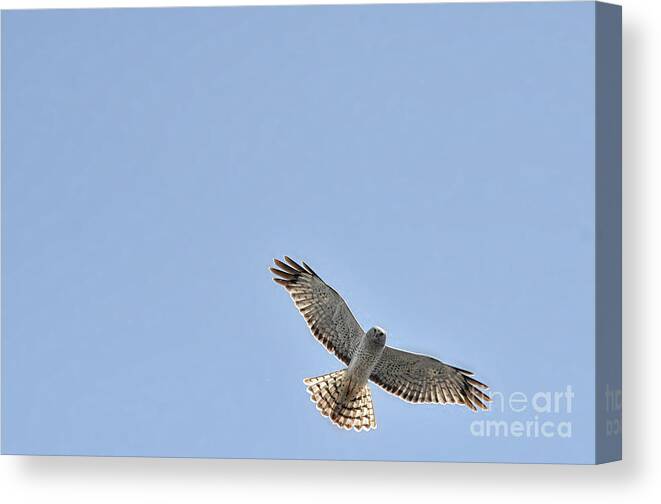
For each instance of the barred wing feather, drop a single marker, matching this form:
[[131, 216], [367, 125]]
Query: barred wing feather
[[419, 378], [329, 318]]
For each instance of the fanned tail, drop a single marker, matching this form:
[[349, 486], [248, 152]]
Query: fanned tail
[[356, 412]]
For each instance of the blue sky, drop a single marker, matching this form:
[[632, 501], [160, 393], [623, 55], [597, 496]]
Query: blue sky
[[433, 163]]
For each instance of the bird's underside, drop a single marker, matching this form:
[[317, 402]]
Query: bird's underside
[[342, 396]]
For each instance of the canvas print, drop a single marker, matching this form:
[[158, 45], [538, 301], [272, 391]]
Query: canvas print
[[360, 232]]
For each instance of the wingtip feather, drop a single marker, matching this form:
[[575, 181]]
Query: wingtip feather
[[294, 264]]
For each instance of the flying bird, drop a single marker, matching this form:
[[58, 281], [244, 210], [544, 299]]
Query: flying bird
[[344, 396]]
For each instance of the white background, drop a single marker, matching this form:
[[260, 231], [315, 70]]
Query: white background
[[636, 479]]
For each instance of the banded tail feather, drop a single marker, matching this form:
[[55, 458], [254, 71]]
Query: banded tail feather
[[328, 392]]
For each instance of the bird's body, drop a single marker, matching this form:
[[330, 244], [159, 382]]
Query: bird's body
[[344, 396], [363, 360], [366, 356]]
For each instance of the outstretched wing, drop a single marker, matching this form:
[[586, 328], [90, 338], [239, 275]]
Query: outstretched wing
[[422, 379], [326, 313]]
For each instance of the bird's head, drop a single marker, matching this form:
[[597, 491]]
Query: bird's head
[[377, 335]]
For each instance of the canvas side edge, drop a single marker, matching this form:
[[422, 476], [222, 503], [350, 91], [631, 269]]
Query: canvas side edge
[[608, 232]]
